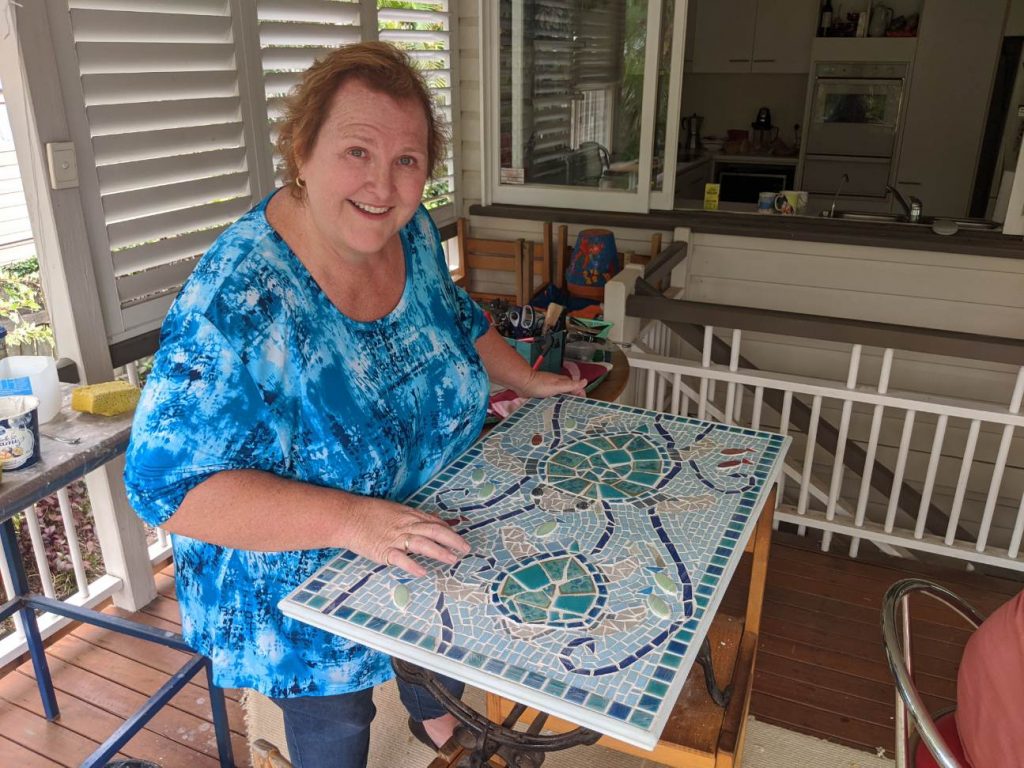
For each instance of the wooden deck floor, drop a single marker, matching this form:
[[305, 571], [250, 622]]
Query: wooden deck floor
[[820, 668]]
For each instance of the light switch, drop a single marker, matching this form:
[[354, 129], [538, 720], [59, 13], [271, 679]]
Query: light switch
[[60, 156]]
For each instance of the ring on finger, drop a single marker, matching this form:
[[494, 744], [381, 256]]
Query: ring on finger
[[405, 545], [387, 558]]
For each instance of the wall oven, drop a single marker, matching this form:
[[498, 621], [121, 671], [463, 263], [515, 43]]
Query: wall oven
[[853, 124]]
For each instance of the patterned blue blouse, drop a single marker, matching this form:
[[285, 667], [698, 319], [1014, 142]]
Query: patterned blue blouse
[[258, 370]]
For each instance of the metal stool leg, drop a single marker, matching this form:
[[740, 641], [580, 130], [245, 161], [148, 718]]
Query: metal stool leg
[[19, 582]]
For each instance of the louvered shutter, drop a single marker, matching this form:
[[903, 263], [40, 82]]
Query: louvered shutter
[[165, 116], [16, 242], [423, 29], [294, 34]]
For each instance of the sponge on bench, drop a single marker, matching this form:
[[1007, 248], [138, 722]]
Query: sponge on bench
[[107, 399]]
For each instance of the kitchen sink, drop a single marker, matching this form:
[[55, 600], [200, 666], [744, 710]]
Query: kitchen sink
[[965, 223], [927, 221], [887, 218]]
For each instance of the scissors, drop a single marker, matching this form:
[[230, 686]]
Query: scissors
[[522, 320]]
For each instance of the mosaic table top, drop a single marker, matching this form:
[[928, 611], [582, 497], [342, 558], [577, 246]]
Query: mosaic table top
[[603, 537]]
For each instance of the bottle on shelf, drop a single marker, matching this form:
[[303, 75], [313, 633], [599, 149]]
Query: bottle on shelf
[[825, 20]]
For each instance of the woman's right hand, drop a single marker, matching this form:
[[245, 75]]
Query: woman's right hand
[[390, 533]]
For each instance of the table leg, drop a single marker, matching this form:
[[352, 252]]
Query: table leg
[[19, 582]]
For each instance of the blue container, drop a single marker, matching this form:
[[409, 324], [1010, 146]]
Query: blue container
[[531, 350]]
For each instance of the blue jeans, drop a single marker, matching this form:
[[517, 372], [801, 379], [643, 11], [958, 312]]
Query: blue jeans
[[334, 731]]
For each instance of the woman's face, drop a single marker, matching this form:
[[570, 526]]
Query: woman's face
[[365, 174]]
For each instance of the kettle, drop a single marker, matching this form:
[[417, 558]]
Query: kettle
[[692, 144], [881, 16]]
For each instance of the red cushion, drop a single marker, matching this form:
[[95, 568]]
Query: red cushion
[[947, 729]]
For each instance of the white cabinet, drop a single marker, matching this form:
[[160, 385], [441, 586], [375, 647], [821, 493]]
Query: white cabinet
[[783, 35], [957, 49], [743, 36]]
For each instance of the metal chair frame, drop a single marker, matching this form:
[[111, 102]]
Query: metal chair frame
[[911, 714]]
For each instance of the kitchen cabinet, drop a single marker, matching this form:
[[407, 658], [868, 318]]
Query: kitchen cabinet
[[957, 50], [762, 36]]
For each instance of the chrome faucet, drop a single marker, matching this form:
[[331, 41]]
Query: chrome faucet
[[911, 208], [843, 180]]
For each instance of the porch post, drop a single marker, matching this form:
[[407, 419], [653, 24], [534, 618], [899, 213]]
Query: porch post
[[36, 106]]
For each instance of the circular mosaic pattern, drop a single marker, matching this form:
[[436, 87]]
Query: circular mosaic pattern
[[561, 590], [607, 467]]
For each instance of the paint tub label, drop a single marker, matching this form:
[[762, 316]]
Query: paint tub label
[[19, 431]]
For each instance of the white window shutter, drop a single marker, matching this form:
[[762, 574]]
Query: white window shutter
[[165, 118], [294, 34], [423, 30]]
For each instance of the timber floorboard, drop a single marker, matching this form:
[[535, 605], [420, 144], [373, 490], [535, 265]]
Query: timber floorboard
[[820, 667]]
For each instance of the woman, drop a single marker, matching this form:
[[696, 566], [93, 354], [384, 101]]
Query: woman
[[317, 365], [990, 689]]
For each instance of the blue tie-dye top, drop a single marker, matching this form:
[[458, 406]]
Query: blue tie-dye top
[[258, 370]]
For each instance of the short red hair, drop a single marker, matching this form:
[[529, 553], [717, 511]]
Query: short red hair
[[381, 67]]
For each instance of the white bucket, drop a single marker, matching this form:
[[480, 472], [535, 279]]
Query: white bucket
[[32, 375]]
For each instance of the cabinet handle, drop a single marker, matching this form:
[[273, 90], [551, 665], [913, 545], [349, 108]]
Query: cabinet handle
[[763, 61], [911, 183], [737, 61]]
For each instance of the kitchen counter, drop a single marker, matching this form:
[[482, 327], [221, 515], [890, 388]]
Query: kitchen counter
[[725, 157], [807, 228]]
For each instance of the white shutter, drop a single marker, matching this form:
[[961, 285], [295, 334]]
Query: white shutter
[[16, 241], [294, 34], [423, 30], [165, 112]]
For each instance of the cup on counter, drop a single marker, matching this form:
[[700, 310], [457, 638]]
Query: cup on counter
[[766, 202], [790, 202]]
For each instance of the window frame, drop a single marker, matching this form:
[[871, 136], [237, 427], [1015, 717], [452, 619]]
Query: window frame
[[639, 200]]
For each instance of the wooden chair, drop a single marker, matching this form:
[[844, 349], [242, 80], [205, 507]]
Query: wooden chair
[[514, 256]]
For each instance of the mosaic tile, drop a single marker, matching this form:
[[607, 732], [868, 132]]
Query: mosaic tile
[[599, 554]]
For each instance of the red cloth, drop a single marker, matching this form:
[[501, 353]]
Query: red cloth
[[990, 690]]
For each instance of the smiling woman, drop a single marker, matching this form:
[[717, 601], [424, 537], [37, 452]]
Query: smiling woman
[[318, 366]]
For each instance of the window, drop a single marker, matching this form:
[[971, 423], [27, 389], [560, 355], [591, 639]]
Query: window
[[576, 107]]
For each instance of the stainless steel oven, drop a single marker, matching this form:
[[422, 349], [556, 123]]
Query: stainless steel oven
[[852, 127]]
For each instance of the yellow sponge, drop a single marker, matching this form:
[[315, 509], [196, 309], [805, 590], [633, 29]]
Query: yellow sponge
[[107, 399]]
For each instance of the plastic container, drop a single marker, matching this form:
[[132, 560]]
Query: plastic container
[[32, 375], [19, 432]]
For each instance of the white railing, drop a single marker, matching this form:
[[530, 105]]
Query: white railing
[[89, 591], [966, 505]]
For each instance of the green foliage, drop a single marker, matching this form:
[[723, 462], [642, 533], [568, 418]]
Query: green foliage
[[20, 292]]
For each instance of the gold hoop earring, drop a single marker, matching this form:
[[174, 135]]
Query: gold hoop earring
[[299, 182]]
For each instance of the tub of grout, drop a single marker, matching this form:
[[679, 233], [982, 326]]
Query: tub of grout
[[19, 432]]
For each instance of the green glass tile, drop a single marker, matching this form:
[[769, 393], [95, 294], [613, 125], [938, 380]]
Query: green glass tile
[[574, 604], [555, 688], [531, 577], [611, 492], [648, 479], [657, 688], [599, 703], [317, 602], [581, 586], [641, 719], [393, 630], [475, 660], [617, 456], [671, 660], [514, 673]]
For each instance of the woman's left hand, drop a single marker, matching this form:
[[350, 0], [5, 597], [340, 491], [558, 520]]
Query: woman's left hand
[[543, 384]]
